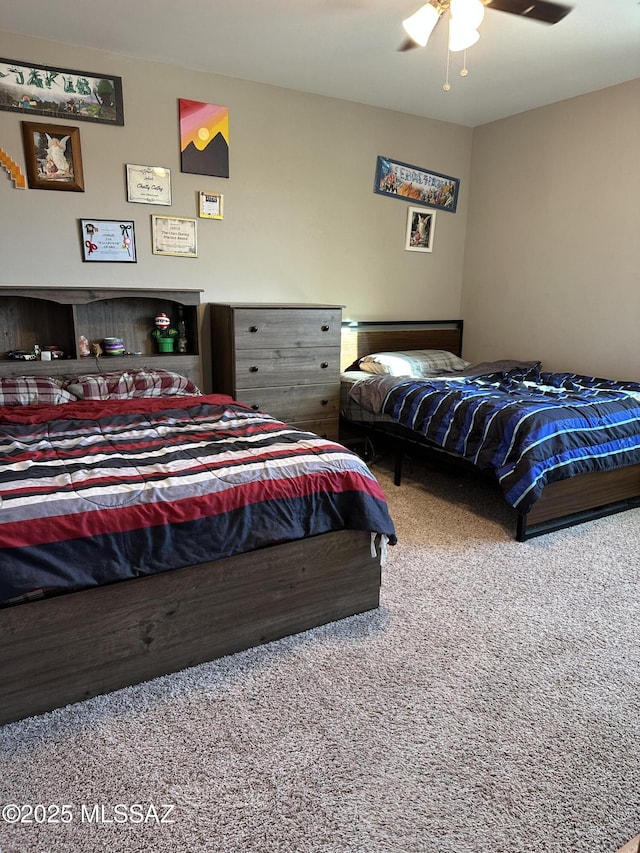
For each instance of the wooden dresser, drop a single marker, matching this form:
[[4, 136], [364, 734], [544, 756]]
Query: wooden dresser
[[280, 359]]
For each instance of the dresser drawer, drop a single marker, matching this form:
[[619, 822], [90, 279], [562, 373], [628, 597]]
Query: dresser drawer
[[325, 429], [299, 327], [294, 403], [261, 368]]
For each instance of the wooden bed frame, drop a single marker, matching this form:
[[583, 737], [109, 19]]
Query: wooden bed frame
[[69, 647], [60, 650], [562, 504]]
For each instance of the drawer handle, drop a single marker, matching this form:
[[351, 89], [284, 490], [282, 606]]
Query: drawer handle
[[324, 364], [253, 328], [325, 402], [325, 328], [254, 368], [256, 407]]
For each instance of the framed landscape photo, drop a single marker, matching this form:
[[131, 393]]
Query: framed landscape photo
[[111, 240], [411, 183], [34, 89], [53, 157], [174, 235], [421, 225], [148, 184]]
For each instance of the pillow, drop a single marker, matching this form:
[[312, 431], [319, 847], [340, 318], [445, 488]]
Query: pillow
[[127, 384], [421, 363], [29, 390]]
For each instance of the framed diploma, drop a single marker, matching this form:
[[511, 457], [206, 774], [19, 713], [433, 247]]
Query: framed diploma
[[174, 235], [211, 206], [148, 184], [108, 240]]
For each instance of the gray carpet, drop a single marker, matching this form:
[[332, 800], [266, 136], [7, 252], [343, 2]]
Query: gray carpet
[[491, 705]]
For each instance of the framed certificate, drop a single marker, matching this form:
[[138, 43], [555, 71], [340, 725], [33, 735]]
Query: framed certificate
[[148, 184], [211, 206], [108, 240], [174, 235]]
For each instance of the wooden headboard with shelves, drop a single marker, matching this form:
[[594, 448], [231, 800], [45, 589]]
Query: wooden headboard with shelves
[[362, 338], [57, 316]]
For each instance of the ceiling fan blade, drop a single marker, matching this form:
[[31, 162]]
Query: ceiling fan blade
[[539, 10], [408, 44]]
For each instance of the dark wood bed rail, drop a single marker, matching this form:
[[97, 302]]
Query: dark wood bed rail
[[562, 504], [582, 498]]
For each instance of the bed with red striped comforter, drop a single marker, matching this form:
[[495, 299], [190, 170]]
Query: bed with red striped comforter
[[99, 491]]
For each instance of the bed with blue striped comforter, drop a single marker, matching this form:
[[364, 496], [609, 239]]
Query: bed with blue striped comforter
[[527, 426], [98, 491]]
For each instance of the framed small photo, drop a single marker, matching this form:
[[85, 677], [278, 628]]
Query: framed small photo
[[211, 206], [108, 240], [53, 157], [421, 225], [174, 235], [148, 184]]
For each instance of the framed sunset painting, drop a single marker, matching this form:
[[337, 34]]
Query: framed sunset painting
[[204, 138]]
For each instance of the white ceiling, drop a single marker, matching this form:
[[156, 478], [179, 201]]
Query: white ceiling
[[348, 48]]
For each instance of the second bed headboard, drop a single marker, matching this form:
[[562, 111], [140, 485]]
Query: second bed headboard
[[362, 338]]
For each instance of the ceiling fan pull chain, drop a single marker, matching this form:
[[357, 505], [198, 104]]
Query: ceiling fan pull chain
[[447, 86], [464, 70]]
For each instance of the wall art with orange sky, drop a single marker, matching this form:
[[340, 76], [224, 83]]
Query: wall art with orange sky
[[204, 138]]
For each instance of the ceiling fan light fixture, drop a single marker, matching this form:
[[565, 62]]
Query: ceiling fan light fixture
[[467, 12], [461, 36], [420, 25]]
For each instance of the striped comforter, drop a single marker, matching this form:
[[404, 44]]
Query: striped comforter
[[530, 427], [93, 492]]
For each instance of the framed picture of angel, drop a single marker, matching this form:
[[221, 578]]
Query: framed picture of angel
[[421, 226], [53, 157]]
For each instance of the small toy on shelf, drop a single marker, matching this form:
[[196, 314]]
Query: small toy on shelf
[[21, 355], [163, 333], [113, 346], [182, 331]]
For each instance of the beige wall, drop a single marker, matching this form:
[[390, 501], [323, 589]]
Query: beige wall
[[302, 222], [552, 264]]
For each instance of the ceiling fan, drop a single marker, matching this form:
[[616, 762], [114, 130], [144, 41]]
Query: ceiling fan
[[466, 16]]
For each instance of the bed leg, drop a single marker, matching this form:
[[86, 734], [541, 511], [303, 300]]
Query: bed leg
[[521, 527], [397, 463]]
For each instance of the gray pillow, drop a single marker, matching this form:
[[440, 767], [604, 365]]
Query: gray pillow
[[420, 363]]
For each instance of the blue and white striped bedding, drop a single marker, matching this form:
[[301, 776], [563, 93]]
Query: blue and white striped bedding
[[530, 427]]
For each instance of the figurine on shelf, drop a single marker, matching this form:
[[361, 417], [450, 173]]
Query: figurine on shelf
[[182, 331], [83, 347], [163, 333]]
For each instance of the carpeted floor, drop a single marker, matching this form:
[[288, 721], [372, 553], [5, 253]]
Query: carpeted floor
[[491, 705]]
